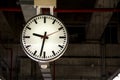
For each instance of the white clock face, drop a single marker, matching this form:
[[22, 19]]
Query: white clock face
[[44, 38]]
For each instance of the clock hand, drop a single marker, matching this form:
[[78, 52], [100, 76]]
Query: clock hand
[[44, 37], [55, 31], [38, 35]]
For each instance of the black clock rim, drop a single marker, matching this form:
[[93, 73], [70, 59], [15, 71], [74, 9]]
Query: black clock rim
[[45, 15], [47, 60]]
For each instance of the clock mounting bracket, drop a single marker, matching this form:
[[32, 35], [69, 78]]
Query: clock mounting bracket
[[54, 32], [39, 10]]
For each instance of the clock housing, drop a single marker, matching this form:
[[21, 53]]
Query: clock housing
[[44, 38]]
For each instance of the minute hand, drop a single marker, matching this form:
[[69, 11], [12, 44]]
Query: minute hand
[[43, 42]]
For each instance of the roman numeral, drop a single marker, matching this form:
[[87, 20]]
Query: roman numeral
[[35, 21], [44, 19], [62, 37], [26, 36], [60, 46], [53, 52], [28, 28], [35, 52], [53, 22], [28, 46], [60, 28]]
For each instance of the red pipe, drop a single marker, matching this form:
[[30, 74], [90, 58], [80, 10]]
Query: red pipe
[[87, 10], [68, 10], [11, 9]]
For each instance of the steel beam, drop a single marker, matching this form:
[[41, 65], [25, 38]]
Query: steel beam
[[99, 20]]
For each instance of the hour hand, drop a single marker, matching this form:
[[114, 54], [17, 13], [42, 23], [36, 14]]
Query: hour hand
[[38, 35]]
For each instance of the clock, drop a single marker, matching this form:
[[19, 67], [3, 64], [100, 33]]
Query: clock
[[44, 38]]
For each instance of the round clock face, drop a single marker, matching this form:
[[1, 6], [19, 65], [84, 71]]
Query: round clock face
[[44, 38]]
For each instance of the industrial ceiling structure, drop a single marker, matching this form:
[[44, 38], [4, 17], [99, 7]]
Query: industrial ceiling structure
[[93, 52]]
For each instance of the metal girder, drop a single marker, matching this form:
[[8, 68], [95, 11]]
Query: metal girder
[[118, 34], [30, 2], [99, 20], [5, 29], [84, 50], [28, 9], [63, 72]]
